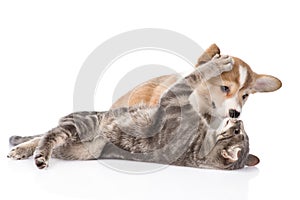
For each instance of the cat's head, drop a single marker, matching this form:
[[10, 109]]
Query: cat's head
[[231, 150]]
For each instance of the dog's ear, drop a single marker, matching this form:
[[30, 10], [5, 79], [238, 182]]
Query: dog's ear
[[208, 54], [266, 83], [252, 160]]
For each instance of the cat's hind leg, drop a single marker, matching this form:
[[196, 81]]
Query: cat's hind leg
[[54, 138], [24, 150], [88, 150], [64, 142], [16, 140]]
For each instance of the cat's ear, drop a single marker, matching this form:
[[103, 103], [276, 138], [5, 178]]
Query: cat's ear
[[266, 83], [208, 54], [252, 160]]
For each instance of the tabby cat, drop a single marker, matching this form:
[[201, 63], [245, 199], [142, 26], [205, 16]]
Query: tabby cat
[[170, 133]]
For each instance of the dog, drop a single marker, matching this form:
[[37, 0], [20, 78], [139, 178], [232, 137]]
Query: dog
[[218, 98]]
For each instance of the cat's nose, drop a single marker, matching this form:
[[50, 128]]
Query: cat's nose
[[238, 125], [239, 122]]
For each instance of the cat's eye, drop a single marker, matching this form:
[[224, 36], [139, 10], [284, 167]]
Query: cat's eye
[[236, 131], [225, 89], [245, 96]]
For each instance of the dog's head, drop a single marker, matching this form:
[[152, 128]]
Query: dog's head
[[228, 93]]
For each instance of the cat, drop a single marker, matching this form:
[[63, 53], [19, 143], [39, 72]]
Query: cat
[[171, 133]]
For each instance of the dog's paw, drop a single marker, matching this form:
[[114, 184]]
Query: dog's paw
[[40, 160], [20, 152]]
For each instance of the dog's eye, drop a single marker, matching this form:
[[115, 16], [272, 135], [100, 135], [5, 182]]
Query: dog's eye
[[245, 96], [225, 89]]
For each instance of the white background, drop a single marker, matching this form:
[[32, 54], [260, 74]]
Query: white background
[[43, 45]]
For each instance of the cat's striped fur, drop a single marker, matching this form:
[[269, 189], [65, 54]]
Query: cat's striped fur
[[171, 133]]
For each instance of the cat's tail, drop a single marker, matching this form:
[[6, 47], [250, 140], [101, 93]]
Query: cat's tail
[[15, 139]]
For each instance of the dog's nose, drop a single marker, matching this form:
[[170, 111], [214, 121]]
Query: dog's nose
[[233, 113]]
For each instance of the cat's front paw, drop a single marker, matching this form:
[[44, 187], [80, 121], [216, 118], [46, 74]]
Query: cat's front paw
[[223, 63], [20, 152], [216, 66], [40, 160]]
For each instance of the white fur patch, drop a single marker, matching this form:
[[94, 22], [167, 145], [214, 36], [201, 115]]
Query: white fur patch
[[232, 103], [243, 75]]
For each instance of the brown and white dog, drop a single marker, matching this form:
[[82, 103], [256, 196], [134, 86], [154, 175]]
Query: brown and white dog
[[218, 98]]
